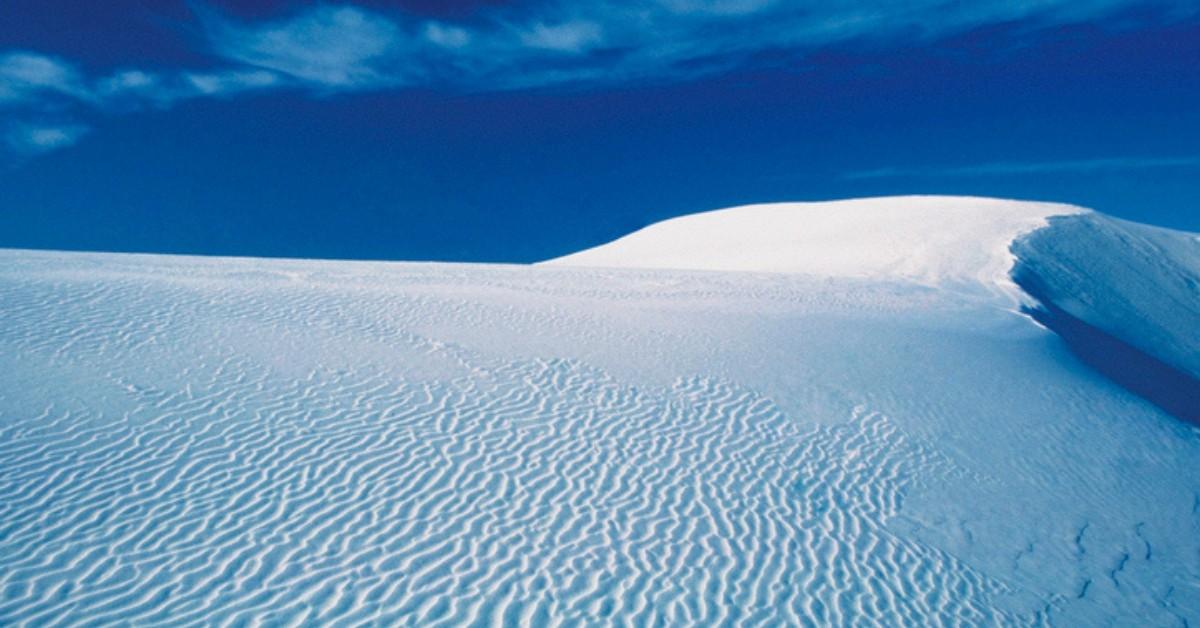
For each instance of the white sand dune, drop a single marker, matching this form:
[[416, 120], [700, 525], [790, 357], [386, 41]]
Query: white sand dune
[[932, 239], [206, 441]]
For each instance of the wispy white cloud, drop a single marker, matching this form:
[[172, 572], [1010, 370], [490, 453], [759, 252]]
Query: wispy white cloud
[[34, 139], [332, 46], [26, 75], [576, 36], [606, 41], [35, 86], [231, 82], [1006, 168], [447, 36], [328, 48], [31, 80]]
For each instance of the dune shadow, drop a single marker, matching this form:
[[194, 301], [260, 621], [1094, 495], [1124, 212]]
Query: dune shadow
[[1169, 388]]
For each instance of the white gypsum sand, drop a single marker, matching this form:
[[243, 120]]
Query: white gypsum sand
[[789, 430]]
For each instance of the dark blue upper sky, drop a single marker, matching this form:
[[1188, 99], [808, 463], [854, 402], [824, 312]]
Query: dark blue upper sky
[[491, 131]]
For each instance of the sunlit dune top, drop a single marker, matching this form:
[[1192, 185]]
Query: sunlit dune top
[[924, 238]]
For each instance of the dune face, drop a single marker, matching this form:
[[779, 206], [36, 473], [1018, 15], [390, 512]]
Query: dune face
[[1126, 297], [837, 436]]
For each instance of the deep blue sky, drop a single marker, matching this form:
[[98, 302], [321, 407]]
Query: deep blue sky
[[485, 131]]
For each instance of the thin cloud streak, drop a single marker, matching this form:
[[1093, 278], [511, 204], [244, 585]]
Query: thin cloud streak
[[30, 80], [34, 139], [1079, 166], [36, 87]]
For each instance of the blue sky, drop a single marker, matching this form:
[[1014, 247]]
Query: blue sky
[[492, 131]]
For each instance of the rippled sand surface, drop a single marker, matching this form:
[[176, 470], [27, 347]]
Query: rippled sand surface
[[189, 441]]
